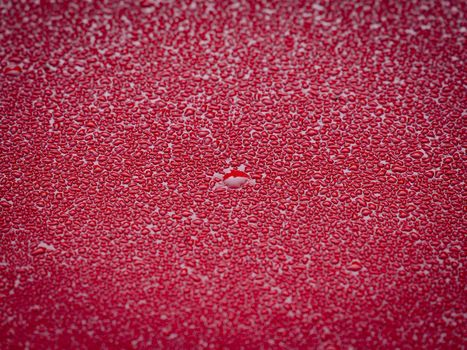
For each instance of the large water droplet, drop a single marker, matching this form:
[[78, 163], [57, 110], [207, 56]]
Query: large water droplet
[[235, 179], [13, 70], [355, 265]]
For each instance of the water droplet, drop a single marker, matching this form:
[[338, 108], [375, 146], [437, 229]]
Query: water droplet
[[235, 179], [13, 70], [355, 265], [38, 251]]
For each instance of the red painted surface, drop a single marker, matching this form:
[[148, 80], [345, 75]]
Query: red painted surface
[[119, 120]]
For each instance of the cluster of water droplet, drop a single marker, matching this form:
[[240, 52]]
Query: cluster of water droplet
[[205, 175]]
